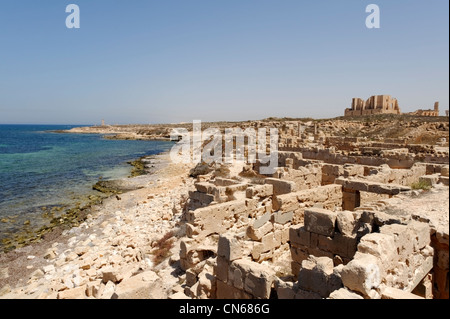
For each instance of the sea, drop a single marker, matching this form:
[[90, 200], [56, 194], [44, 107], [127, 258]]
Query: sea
[[40, 168]]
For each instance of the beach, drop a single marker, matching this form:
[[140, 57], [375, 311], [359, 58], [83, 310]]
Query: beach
[[120, 235]]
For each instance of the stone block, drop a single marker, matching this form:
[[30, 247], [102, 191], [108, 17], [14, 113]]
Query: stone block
[[394, 293], [281, 187], [362, 274], [421, 234], [221, 269], [283, 218], [285, 290], [269, 242], [258, 278], [346, 223], [258, 233], [204, 187], [403, 239], [225, 291], [229, 247], [260, 191], [344, 293], [261, 221], [383, 247], [141, 286], [320, 221], [299, 236], [298, 255], [314, 275], [75, 293]]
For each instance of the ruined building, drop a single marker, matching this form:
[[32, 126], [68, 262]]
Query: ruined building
[[377, 104], [434, 112], [331, 222]]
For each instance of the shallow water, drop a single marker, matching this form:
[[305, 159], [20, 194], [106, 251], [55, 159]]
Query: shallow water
[[39, 168]]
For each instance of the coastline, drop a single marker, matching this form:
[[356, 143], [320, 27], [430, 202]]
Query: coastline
[[52, 248]]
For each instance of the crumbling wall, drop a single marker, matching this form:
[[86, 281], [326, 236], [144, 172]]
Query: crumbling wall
[[329, 197]]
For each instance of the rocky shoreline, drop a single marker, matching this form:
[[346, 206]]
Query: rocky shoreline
[[110, 235]]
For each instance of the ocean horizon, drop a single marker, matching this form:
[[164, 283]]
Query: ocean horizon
[[40, 168]]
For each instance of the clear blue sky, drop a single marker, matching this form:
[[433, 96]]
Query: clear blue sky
[[169, 61]]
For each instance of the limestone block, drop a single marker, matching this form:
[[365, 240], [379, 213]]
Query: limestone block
[[257, 250], [320, 221], [270, 242], [283, 218], [421, 234], [344, 293], [221, 269], [299, 236], [204, 187], [141, 286], [75, 293], [260, 191], [314, 275], [298, 255], [394, 293], [261, 221], [353, 170], [229, 247], [201, 197], [403, 239], [225, 291], [346, 223], [258, 278], [285, 290], [107, 291], [381, 246], [362, 274], [284, 235], [281, 187], [345, 246], [236, 277], [258, 233]]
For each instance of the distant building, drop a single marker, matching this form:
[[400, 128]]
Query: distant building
[[377, 104], [434, 112]]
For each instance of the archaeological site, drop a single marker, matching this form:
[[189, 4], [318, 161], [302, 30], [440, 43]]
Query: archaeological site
[[356, 209], [341, 218]]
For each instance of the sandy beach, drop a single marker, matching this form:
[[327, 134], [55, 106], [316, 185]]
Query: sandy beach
[[121, 236]]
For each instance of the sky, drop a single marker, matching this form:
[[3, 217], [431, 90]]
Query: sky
[[171, 61]]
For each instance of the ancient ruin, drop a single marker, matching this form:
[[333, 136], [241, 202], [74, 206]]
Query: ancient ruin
[[433, 112], [378, 104], [355, 210], [323, 226]]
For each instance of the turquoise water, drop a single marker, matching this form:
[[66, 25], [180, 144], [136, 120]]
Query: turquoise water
[[39, 168]]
